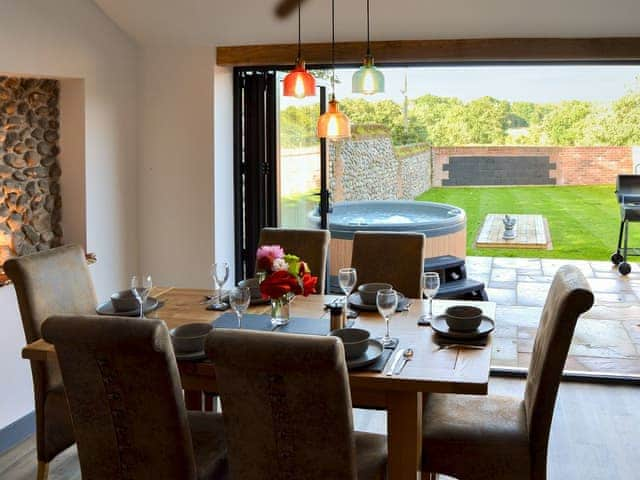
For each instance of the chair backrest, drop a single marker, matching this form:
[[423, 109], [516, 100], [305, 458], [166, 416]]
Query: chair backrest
[[310, 245], [54, 282], [569, 297], [286, 405], [125, 398], [391, 257]]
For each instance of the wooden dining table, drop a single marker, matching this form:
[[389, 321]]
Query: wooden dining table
[[457, 370]]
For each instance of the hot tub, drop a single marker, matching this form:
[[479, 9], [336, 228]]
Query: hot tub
[[444, 226]]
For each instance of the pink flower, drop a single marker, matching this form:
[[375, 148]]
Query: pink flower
[[266, 256]]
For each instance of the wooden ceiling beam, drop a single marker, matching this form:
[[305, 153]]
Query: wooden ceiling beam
[[431, 51]]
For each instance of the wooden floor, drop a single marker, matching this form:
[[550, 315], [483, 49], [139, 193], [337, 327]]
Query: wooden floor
[[595, 435]]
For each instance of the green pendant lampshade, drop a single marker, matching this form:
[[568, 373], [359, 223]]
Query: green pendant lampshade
[[368, 79]]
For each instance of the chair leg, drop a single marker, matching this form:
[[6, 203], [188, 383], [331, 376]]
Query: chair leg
[[43, 470], [429, 476]]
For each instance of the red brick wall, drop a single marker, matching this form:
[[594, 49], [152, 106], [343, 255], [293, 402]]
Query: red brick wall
[[574, 165]]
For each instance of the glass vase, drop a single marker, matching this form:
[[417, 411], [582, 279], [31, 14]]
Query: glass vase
[[280, 310]]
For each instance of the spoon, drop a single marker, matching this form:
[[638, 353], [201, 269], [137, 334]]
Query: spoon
[[407, 355]]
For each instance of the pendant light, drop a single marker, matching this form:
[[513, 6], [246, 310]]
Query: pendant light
[[299, 83], [333, 124], [368, 79]]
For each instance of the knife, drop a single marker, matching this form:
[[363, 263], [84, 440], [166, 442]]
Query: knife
[[390, 370]]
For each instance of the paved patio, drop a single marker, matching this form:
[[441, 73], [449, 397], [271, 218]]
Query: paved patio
[[607, 338]]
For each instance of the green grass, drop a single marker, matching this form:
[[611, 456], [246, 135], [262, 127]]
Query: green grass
[[583, 221]]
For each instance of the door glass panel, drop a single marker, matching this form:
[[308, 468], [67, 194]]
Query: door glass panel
[[299, 160]]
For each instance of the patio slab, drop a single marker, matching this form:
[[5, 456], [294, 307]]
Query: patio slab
[[607, 338]]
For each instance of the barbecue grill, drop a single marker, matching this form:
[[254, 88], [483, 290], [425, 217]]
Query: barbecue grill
[[628, 193]]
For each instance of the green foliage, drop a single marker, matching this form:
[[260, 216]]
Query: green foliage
[[448, 121], [589, 232]]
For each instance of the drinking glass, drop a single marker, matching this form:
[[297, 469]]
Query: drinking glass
[[347, 277], [387, 303], [140, 287], [219, 274], [430, 286], [239, 298]]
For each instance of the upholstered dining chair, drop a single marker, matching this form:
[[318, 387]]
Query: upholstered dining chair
[[126, 402], [310, 245], [504, 438], [396, 258], [287, 412], [53, 282]]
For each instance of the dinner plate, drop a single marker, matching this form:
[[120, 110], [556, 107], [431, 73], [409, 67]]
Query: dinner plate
[[107, 308], [356, 302], [439, 325], [371, 355], [191, 356]]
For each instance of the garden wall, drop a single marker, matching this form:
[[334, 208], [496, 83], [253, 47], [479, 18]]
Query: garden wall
[[368, 167], [522, 165]]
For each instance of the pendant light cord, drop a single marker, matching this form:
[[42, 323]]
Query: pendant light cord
[[299, 35], [368, 38], [333, 49]]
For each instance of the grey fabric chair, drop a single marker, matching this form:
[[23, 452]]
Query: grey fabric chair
[[310, 245], [52, 282], [126, 402], [393, 257], [287, 411], [504, 438]]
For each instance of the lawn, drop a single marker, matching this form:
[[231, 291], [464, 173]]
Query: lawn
[[583, 220]]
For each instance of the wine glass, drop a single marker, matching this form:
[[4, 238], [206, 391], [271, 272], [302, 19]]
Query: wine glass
[[347, 277], [141, 287], [430, 286], [387, 303], [219, 274], [239, 298]]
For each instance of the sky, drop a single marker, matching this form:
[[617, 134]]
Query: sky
[[533, 83]]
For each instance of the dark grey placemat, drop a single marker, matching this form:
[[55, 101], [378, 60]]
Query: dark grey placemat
[[300, 325], [378, 366]]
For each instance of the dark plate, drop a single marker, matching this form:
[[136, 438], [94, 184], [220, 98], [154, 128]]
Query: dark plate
[[373, 353], [106, 308], [356, 302], [191, 356], [439, 325]]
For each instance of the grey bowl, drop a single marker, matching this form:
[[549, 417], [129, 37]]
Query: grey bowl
[[369, 291], [253, 285], [463, 318], [124, 301], [355, 341], [190, 337]]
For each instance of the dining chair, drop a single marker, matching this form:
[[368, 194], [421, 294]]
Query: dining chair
[[396, 258], [505, 438], [53, 282], [126, 402], [287, 411], [310, 245]]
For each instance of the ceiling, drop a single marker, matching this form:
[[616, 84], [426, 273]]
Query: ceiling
[[241, 22]]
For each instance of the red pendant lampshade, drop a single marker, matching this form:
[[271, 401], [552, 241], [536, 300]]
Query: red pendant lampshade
[[299, 83]]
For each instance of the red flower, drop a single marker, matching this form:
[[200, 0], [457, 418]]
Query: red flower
[[280, 283], [308, 284]]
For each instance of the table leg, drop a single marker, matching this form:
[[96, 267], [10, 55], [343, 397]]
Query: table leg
[[193, 400], [404, 432]]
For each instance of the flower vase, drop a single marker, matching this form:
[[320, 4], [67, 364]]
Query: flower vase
[[280, 310]]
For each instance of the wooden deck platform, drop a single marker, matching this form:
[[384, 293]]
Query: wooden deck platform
[[532, 231]]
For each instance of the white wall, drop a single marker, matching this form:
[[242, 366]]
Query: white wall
[[176, 165], [74, 39]]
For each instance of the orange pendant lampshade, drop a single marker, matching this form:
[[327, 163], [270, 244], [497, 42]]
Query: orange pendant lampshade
[[333, 124], [299, 83]]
